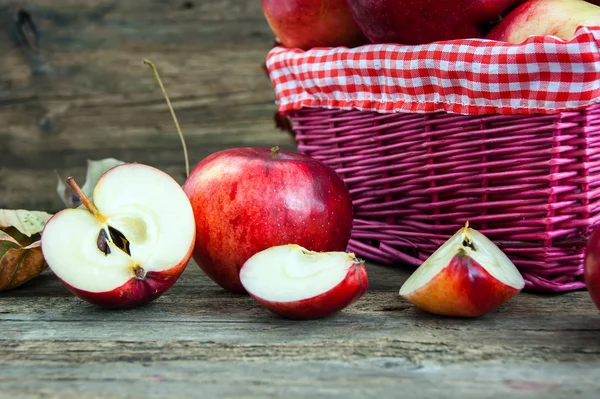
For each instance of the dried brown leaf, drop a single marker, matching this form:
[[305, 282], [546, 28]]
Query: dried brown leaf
[[21, 257]]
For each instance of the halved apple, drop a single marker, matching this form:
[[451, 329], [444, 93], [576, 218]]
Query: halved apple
[[296, 283], [130, 244], [467, 276]]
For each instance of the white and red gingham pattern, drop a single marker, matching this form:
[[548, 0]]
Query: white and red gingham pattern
[[543, 74]]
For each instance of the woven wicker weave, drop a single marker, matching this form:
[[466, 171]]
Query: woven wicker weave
[[530, 183]]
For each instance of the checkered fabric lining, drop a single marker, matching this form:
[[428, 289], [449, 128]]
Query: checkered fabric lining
[[544, 74]]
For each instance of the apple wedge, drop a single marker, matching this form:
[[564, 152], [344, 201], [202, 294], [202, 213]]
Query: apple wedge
[[129, 245], [296, 283], [467, 276]]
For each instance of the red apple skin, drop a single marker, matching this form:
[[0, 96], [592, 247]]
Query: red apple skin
[[545, 17], [462, 289], [592, 267], [351, 289], [245, 201], [306, 24], [413, 22], [135, 292]]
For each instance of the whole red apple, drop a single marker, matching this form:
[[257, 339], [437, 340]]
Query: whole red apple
[[246, 200], [592, 267], [545, 17], [424, 21], [306, 24]]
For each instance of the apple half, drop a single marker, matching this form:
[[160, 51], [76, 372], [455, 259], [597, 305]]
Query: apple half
[[129, 245], [296, 283], [467, 276]]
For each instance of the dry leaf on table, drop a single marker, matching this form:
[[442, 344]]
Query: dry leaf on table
[[21, 257], [95, 170]]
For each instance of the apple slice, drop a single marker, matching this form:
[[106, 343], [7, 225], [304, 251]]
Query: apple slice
[[130, 245], [296, 283], [467, 276]]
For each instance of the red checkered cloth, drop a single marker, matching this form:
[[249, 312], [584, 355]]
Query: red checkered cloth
[[544, 74]]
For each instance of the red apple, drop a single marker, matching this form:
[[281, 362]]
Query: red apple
[[129, 245], [544, 18], [306, 24], [467, 276], [592, 267], [246, 200], [295, 283], [424, 21]]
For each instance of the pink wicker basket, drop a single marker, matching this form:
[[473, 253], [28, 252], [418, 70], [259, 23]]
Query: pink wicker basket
[[530, 182]]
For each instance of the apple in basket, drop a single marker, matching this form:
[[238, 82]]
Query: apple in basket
[[129, 245], [467, 276], [419, 22], [246, 200], [592, 266], [306, 24], [295, 283], [545, 17]]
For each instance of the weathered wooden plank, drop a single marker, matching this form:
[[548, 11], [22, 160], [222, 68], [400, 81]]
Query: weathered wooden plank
[[371, 378], [260, 341], [269, 330], [200, 317], [85, 93]]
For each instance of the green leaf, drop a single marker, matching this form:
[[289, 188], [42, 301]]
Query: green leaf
[[26, 222], [95, 170]]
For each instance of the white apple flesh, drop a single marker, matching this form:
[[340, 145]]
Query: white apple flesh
[[296, 283], [467, 276], [130, 245]]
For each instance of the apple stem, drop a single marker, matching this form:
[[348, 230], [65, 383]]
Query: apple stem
[[84, 199], [467, 241], [164, 92], [274, 151]]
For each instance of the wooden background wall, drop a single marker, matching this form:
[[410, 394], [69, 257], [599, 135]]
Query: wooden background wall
[[73, 87]]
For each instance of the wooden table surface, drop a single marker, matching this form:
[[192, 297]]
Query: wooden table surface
[[73, 87], [199, 341]]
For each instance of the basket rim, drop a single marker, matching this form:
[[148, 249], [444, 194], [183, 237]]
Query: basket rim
[[543, 74]]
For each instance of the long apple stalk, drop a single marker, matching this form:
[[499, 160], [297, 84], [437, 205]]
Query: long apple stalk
[[164, 92]]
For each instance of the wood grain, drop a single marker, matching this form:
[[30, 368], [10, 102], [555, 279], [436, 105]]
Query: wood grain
[[83, 91], [53, 344], [381, 378]]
